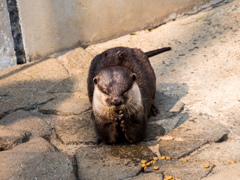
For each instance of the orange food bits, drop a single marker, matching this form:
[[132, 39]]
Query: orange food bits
[[206, 166], [162, 157]]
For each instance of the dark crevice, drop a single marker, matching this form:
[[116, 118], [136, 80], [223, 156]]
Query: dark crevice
[[27, 107], [209, 172], [16, 31], [223, 138], [75, 167]]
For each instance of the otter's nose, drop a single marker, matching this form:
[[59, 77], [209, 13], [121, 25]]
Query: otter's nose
[[116, 102]]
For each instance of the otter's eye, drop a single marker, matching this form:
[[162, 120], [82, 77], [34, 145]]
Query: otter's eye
[[125, 92], [105, 92]]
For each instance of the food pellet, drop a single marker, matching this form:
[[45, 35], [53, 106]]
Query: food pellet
[[169, 177], [155, 167], [143, 161], [168, 157], [144, 165], [148, 164], [153, 162], [162, 157], [229, 139], [145, 168], [206, 166], [232, 162], [185, 159], [155, 158]]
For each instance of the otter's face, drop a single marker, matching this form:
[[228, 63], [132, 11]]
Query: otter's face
[[114, 89]]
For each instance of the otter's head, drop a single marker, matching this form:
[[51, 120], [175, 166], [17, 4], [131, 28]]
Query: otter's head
[[115, 89]]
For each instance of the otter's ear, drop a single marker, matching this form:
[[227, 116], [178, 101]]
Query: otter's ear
[[95, 80], [121, 55], [134, 76]]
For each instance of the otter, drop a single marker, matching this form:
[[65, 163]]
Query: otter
[[121, 89]]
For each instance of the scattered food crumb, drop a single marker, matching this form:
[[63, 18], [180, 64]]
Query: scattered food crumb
[[162, 157], [148, 164], [232, 162], [169, 178], [155, 167], [206, 166], [143, 161], [184, 159]]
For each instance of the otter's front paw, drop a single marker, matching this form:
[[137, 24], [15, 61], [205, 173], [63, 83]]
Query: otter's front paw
[[123, 126], [124, 130]]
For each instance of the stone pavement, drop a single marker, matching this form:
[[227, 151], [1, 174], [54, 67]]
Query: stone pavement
[[46, 130]]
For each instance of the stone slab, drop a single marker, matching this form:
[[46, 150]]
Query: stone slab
[[31, 165], [36, 76], [76, 130], [36, 159], [169, 123], [37, 144], [26, 121], [199, 128], [180, 169], [111, 161], [7, 53], [220, 152], [23, 101], [177, 149], [10, 138], [77, 63], [67, 104], [228, 172], [147, 176], [154, 131]]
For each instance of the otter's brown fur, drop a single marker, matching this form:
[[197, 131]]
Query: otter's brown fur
[[134, 69]]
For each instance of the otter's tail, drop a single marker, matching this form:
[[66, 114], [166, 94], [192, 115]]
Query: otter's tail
[[157, 51]]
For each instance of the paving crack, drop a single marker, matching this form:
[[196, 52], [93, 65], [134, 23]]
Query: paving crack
[[210, 171], [26, 107]]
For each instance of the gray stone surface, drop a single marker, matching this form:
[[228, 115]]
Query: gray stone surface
[[36, 159], [37, 144], [200, 128], [180, 169], [7, 53], [223, 152], [25, 87], [177, 149], [154, 131], [23, 101], [228, 172], [147, 176], [10, 138], [111, 161], [76, 130], [26, 121], [67, 104], [55, 165], [77, 63], [169, 123]]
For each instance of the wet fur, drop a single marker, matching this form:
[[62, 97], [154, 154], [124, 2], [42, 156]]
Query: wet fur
[[134, 122]]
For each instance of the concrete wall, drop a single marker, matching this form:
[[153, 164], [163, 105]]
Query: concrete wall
[[49, 26], [7, 53]]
